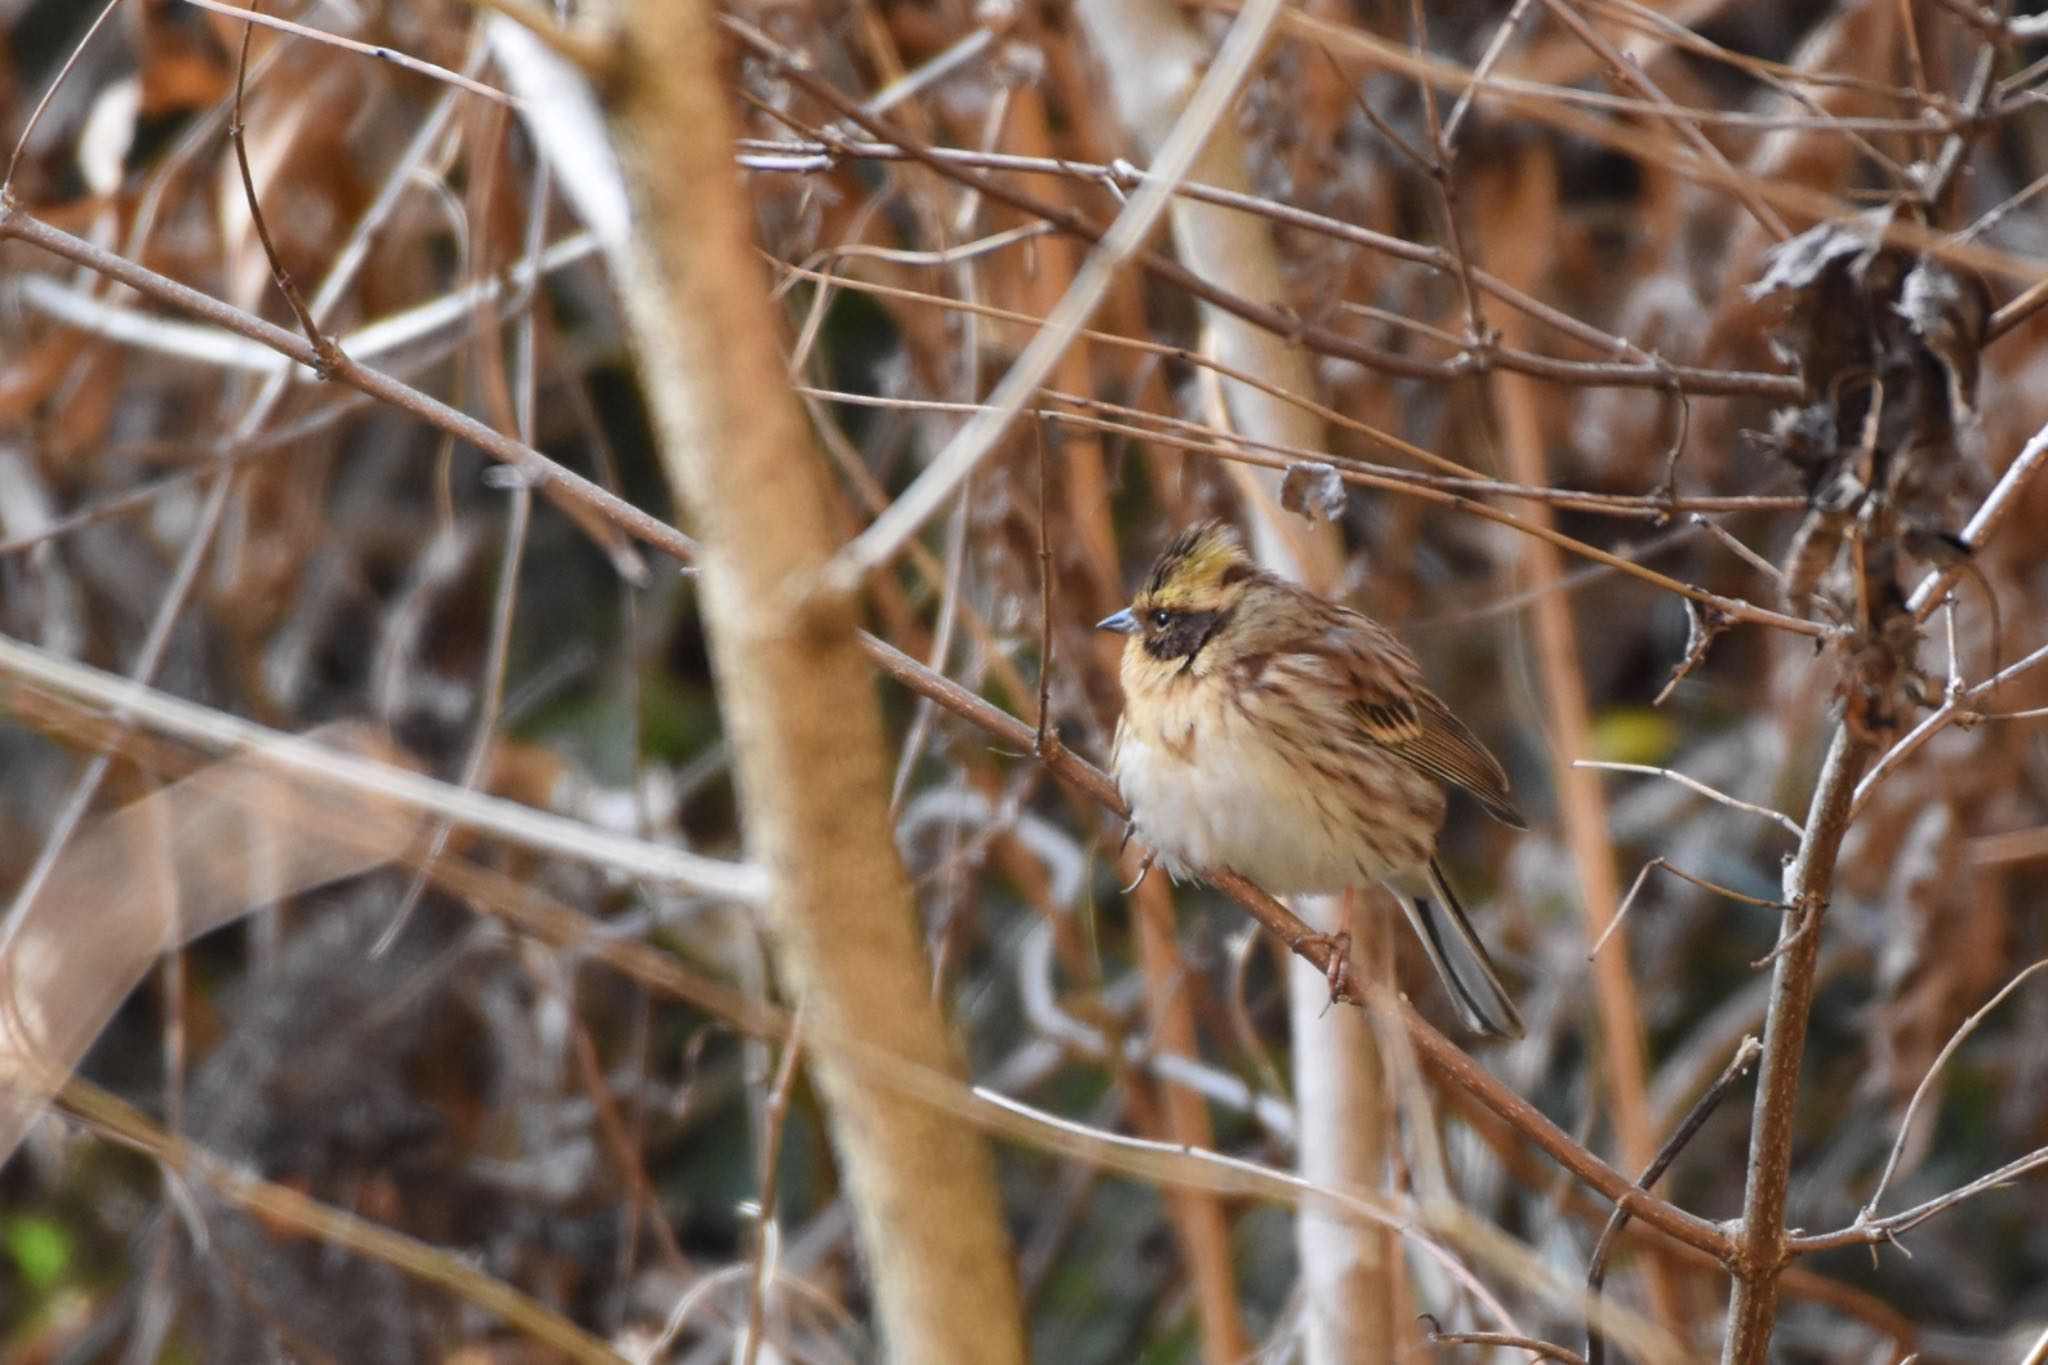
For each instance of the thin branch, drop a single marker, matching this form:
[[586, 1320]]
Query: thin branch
[[556, 480], [1790, 825], [1636, 887], [1542, 1350], [322, 347], [383, 54], [1889, 1228], [35, 116], [764, 1206], [1948, 1049], [1688, 1127]]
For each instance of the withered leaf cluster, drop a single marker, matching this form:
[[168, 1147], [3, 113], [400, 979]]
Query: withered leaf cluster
[[1887, 340]]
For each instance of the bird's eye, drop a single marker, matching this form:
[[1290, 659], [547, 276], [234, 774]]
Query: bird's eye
[[1161, 620]]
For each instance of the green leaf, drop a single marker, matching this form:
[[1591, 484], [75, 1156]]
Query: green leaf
[[41, 1248]]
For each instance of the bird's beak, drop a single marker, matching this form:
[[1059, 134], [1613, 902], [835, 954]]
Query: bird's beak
[[1123, 623]]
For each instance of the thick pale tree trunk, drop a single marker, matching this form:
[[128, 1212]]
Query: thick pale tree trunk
[[798, 701]]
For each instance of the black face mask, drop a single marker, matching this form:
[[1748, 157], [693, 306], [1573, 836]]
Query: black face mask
[[1181, 634]]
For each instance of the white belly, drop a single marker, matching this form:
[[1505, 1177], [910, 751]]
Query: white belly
[[1206, 790]]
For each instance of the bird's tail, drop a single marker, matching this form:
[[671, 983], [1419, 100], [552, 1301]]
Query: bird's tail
[[1460, 958]]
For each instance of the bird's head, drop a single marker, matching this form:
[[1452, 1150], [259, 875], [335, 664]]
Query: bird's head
[[1192, 593]]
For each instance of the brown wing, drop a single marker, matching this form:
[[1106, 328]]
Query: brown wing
[[1396, 712]]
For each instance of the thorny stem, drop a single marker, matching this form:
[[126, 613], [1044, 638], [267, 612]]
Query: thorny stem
[[1760, 1250]]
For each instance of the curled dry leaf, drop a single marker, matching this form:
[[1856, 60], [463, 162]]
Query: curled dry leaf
[[1313, 489]]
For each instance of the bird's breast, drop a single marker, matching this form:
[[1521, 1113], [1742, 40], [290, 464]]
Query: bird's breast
[[1220, 777]]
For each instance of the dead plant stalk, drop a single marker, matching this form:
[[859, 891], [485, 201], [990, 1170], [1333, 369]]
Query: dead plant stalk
[[798, 701]]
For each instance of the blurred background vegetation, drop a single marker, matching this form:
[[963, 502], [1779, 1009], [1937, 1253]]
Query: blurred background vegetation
[[298, 554]]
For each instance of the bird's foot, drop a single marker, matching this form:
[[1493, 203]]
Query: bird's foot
[[1336, 951]]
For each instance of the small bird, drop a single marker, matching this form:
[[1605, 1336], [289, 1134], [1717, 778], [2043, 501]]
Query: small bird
[[1292, 740]]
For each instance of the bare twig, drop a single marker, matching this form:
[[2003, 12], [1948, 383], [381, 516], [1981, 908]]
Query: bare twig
[[1635, 888], [1778, 817], [1688, 1127], [551, 477], [1969, 1026], [383, 54], [322, 347]]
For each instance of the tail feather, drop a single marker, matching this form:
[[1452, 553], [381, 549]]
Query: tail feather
[[1467, 971]]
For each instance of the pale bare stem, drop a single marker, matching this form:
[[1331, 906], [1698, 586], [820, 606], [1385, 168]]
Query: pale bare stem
[[2023, 306], [249, 16], [770, 1175], [1771, 572], [1967, 124], [1125, 237], [1038, 738], [1778, 817], [1953, 710], [1889, 1228], [1868, 1213], [305, 760], [1987, 518], [797, 699], [1496, 46], [492, 692], [35, 117], [942, 644], [148, 661]]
